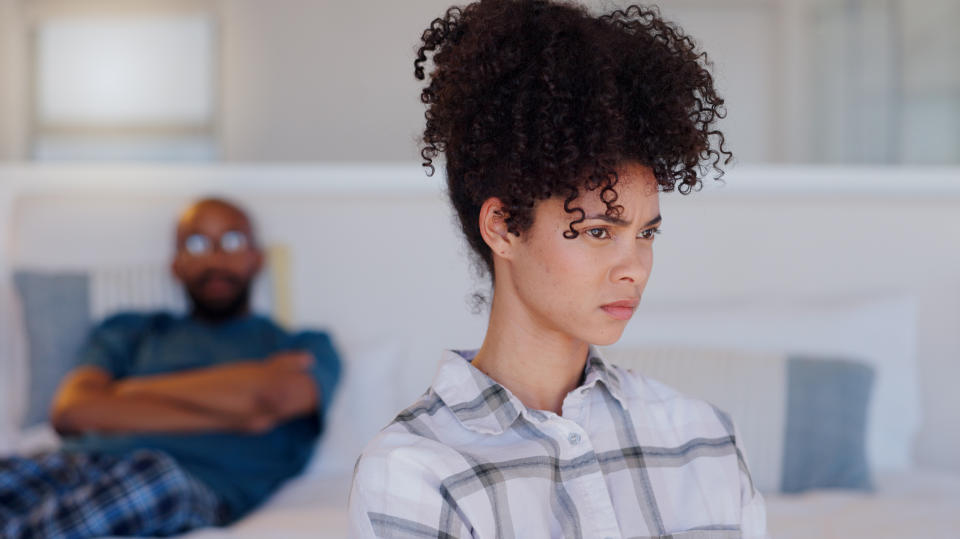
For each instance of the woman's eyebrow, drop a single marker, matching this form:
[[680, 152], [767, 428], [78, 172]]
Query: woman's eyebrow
[[622, 222], [653, 222]]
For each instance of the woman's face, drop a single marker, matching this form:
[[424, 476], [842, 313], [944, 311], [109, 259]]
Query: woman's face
[[588, 287]]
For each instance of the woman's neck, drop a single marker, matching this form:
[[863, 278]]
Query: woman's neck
[[539, 365]]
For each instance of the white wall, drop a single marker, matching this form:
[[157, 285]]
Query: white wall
[[322, 81], [308, 80], [12, 108], [743, 39], [326, 80], [333, 81], [6, 21]]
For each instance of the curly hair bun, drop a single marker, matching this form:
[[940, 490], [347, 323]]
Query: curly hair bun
[[532, 99]]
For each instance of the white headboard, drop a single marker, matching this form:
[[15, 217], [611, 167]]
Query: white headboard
[[375, 254]]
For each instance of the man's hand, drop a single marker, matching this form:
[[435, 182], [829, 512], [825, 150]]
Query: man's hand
[[288, 390], [284, 390]]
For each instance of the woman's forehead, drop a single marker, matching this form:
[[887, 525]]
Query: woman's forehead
[[636, 189], [638, 197]]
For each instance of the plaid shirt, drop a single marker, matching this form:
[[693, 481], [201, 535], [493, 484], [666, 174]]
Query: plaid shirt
[[629, 457]]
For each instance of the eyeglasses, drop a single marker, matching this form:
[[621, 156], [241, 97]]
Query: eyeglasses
[[231, 241]]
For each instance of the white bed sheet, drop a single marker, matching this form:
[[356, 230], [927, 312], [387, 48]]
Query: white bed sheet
[[305, 507], [916, 504]]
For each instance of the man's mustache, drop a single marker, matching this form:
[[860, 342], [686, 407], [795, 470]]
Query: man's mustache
[[209, 275]]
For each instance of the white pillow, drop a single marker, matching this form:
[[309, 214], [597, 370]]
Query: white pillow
[[880, 331], [368, 397], [750, 386]]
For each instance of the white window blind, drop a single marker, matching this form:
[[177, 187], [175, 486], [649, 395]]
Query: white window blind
[[125, 88]]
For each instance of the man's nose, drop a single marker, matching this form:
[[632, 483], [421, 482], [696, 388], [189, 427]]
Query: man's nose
[[216, 259]]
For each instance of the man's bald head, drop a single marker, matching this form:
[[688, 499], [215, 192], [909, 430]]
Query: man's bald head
[[212, 208], [217, 258]]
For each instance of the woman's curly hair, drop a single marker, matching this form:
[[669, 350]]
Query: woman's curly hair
[[532, 99]]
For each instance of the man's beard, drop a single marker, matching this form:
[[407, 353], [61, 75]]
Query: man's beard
[[219, 310]]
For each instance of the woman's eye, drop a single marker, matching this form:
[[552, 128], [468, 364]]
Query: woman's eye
[[598, 233], [649, 233]]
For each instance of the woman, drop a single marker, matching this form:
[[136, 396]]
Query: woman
[[559, 129]]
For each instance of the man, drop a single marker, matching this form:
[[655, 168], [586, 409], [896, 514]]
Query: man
[[177, 422]]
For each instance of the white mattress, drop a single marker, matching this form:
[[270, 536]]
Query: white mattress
[[921, 504], [306, 507]]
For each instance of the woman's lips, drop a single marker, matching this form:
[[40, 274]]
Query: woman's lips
[[621, 310]]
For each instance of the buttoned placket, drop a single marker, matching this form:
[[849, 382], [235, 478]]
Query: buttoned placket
[[598, 518]]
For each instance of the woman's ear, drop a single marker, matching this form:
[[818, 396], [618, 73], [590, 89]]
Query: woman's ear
[[493, 228]]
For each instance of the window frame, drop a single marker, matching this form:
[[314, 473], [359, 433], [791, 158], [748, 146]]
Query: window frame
[[37, 12]]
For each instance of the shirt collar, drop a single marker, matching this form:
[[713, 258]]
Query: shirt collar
[[598, 369], [483, 405]]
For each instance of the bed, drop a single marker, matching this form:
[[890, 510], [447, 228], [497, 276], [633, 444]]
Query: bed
[[914, 503]]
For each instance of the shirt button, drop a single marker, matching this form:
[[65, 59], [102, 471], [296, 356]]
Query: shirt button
[[573, 438]]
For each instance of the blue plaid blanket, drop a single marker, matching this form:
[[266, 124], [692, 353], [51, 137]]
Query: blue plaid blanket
[[67, 495]]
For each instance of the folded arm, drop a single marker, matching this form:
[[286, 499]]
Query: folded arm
[[251, 396], [280, 385]]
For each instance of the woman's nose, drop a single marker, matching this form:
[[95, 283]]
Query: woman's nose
[[634, 266]]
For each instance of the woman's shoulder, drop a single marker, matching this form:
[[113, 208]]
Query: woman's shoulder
[[402, 471], [412, 439], [399, 477], [636, 385], [649, 393]]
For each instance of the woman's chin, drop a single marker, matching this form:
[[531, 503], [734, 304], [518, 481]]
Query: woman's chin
[[606, 337]]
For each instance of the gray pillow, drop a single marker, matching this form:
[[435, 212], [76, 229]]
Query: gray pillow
[[56, 317], [825, 442]]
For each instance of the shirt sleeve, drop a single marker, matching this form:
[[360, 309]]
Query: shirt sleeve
[[396, 496], [753, 512], [326, 369], [112, 345]]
